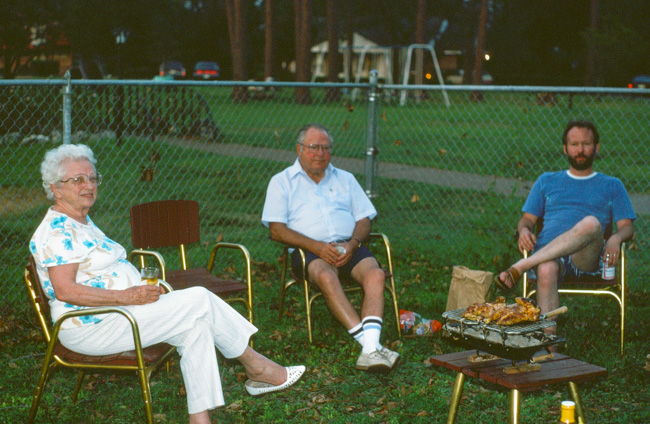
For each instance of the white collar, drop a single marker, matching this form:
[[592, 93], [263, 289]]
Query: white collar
[[576, 177]]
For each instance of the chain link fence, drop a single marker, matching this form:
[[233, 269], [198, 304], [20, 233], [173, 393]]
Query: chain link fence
[[448, 169]]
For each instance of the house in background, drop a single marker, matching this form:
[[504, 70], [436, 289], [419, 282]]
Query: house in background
[[364, 56], [389, 61]]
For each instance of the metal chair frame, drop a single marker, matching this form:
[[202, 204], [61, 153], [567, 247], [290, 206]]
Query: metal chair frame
[[143, 361], [312, 292]]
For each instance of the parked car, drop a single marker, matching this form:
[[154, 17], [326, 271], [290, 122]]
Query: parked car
[[640, 81], [457, 79], [206, 70], [172, 68]]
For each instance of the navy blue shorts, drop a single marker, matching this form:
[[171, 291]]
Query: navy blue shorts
[[344, 271], [570, 270]]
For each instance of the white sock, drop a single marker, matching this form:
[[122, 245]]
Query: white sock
[[357, 333], [371, 333]]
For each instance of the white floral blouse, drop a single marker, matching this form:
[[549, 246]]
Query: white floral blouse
[[102, 262]]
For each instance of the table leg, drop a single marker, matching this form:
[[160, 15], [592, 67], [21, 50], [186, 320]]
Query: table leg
[[455, 397], [573, 388], [514, 406]]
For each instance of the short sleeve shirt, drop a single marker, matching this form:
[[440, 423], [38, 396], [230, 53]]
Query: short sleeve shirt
[[327, 211], [562, 200], [60, 240]]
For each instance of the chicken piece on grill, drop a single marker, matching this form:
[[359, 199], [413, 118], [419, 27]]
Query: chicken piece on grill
[[525, 310], [482, 311], [500, 313]]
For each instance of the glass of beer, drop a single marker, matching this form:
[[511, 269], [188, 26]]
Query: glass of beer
[[150, 274]]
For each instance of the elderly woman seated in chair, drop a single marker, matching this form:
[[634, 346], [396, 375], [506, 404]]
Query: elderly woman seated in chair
[[80, 267]]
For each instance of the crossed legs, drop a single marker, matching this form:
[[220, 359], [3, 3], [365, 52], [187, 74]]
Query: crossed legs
[[195, 321], [583, 242], [258, 368]]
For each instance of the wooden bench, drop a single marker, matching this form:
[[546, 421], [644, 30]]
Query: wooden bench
[[559, 369]]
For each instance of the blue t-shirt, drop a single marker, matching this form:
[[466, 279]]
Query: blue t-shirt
[[562, 200]]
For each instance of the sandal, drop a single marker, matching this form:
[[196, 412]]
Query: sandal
[[513, 274]]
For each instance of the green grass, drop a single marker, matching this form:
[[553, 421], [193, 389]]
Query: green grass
[[332, 391]]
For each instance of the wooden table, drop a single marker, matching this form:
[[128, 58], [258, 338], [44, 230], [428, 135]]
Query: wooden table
[[559, 369]]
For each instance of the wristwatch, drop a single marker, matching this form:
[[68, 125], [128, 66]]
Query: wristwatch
[[357, 240]]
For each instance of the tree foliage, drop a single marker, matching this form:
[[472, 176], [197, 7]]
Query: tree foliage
[[531, 42], [28, 28]]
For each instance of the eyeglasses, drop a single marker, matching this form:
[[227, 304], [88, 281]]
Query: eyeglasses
[[315, 148], [80, 179]]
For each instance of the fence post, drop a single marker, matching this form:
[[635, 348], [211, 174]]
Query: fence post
[[67, 110], [372, 134], [118, 120]]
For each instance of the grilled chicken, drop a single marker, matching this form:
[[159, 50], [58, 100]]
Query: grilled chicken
[[482, 311], [501, 314]]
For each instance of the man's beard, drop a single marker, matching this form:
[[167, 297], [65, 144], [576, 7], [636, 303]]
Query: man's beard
[[589, 160]]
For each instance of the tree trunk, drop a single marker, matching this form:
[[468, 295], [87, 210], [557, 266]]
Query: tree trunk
[[333, 59], [349, 36], [270, 63], [590, 64], [302, 12], [480, 51], [236, 14]]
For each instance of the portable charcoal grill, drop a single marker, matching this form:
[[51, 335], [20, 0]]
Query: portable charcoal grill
[[515, 342]]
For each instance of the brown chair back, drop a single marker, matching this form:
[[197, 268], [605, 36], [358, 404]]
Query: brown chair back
[[164, 223]]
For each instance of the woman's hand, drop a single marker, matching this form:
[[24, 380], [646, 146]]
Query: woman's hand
[[141, 295], [67, 290]]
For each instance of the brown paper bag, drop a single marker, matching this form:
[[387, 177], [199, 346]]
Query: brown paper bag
[[468, 287]]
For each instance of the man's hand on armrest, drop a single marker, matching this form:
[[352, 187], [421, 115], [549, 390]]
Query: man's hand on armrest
[[625, 232], [527, 238]]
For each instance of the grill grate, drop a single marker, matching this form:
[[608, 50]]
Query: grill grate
[[517, 329]]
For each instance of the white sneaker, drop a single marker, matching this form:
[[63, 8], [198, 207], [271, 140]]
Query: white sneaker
[[392, 356], [374, 362]]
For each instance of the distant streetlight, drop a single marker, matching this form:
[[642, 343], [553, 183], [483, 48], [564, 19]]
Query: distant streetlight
[[120, 34]]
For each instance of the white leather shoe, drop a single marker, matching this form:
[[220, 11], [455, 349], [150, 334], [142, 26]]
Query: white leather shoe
[[256, 388]]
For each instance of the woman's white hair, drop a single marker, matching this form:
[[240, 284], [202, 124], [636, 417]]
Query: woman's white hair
[[52, 169]]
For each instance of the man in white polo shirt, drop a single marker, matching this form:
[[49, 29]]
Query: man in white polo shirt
[[324, 210]]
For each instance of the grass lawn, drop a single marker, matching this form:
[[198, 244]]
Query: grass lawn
[[331, 390]]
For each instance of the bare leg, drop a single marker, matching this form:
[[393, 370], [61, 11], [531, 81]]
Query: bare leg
[[327, 279], [547, 295], [262, 369], [258, 368], [200, 418], [583, 242], [372, 279]]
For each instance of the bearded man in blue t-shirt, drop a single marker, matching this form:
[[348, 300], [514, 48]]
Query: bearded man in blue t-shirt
[[576, 206]]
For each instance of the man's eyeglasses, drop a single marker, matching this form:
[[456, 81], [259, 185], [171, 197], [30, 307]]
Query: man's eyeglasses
[[80, 179], [315, 148]]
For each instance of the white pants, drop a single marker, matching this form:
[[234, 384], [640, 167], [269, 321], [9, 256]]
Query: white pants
[[194, 320]]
